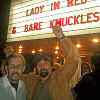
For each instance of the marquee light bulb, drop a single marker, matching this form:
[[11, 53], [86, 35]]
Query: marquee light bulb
[[56, 52], [33, 51], [20, 47], [57, 47], [78, 45], [40, 50], [20, 52], [95, 40]]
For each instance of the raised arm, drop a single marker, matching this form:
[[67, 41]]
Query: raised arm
[[72, 57]]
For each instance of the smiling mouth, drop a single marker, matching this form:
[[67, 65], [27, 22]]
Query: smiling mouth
[[44, 74], [15, 74]]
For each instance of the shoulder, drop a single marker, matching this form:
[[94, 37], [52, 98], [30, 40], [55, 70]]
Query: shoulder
[[1, 81], [1, 85], [32, 76], [87, 76], [22, 84], [86, 80], [27, 78]]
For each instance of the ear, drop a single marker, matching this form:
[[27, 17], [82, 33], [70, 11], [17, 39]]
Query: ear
[[6, 68]]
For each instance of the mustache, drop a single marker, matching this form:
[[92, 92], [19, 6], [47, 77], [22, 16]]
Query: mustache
[[44, 73], [43, 70], [15, 73]]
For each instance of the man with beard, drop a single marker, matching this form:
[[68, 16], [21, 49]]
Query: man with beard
[[44, 69], [11, 88], [54, 85]]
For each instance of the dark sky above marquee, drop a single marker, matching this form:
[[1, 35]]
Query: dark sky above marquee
[[4, 15]]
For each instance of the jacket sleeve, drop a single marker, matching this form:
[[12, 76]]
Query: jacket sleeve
[[72, 58]]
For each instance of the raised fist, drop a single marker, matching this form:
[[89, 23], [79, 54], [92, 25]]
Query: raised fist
[[57, 30]]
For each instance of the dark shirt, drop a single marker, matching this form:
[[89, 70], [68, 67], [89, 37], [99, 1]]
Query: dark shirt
[[88, 88], [42, 91], [14, 86]]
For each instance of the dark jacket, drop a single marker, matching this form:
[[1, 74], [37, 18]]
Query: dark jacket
[[88, 88]]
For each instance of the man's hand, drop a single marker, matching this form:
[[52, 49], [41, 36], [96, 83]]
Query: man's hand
[[57, 30]]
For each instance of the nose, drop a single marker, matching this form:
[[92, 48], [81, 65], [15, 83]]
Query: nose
[[15, 69], [41, 66]]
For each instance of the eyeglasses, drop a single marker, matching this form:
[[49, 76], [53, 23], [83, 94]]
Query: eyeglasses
[[19, 66]]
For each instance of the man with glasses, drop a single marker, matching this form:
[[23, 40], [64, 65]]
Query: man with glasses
[[11, 88]]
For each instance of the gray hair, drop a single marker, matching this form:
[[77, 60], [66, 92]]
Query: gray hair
[[14, 55]]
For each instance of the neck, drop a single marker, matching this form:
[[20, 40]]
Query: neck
[[43, 79], [14, 82]]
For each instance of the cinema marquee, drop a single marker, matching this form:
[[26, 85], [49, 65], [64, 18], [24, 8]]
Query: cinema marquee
[[33, 19]]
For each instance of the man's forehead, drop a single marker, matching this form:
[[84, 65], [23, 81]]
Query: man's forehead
[[16, 59], [15, 63]]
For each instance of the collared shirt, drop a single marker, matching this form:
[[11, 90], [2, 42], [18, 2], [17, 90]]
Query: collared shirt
[[42, 91], [14, 85], [7, 84], [10, 92]]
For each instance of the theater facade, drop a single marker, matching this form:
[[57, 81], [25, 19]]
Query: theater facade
[[30, 22]]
